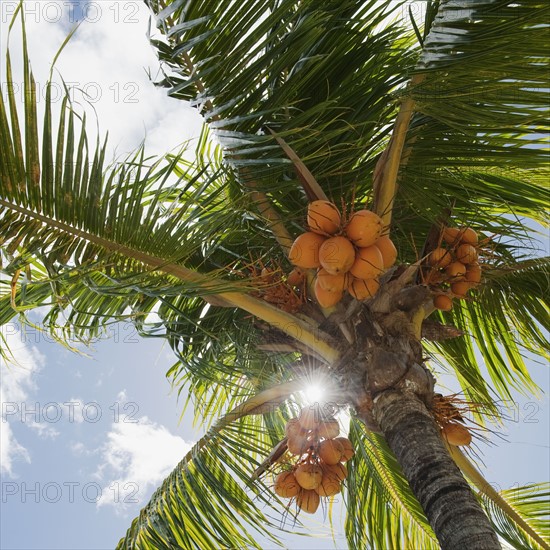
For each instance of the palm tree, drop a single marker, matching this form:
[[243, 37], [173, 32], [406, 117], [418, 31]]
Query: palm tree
[[306, 100]]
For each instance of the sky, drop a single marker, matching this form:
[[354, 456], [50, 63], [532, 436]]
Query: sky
[[86, 438]]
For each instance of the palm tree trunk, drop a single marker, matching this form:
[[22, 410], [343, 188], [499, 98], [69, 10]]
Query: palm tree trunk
[[450, 506]]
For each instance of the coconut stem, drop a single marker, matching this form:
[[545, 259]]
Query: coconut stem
[[386, 171]]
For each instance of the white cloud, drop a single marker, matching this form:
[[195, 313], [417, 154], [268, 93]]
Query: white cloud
[[78, 448], [44, 431], [73, 410], [16, 383], [10, 450], [135, 459], [109, 59]]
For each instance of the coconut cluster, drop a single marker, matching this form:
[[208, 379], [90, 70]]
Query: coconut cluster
[[349, 256], [320, 455], [453, 267]]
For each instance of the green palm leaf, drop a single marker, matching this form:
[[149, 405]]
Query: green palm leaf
[[530, 502], [382, 512], [203, 503]]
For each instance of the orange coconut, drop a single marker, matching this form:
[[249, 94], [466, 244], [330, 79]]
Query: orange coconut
[[348, 448], [330, 451], [440, 257], [329, 429], [298, 444], [309, 476], [456, 270], [443, 302], [361, 289], [330, 485], [294, 428], [368, 263], [460, 288], [466, 253], [451, 235], [387, 249], [286, 485], [468, 236], [456, 434], [364, 228], [326, 298], [331, 282], [323, 217], [473, 274], [339, 470], [308, 501], [305, 250], [337, 255]]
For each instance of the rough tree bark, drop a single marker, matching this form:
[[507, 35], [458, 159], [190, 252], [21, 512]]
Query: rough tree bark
[[393, 395], [450, 506]]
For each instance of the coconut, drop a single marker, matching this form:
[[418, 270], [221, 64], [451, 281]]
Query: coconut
[[364, 228], [337, 255], [330, 451], [456, 434], [466, 253], [456, 270], [339, 470], [296, 277], [468, 236], [326, 298], [308, 501], [309, 476], [293, 428], [330, 485], [440, 257], [460, 289], [331, 282], [298, 444], [387, 249], [348, 448], [361, 289], [473, 273], [451, 235], [305, 250], [368, 263], [310, 417], [329, 429], [286, 485], [443, 302], [323, 217]]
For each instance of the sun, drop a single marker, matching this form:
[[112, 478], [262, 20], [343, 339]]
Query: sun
[[314, 393]]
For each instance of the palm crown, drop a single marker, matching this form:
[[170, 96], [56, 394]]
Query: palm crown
[[432, 125]]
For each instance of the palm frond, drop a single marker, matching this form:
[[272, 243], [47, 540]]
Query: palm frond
[[519, 515], [381, 510], [530, 502], [505, 321], [320, 75], [478, 134], [81, 225], [203, 502]]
